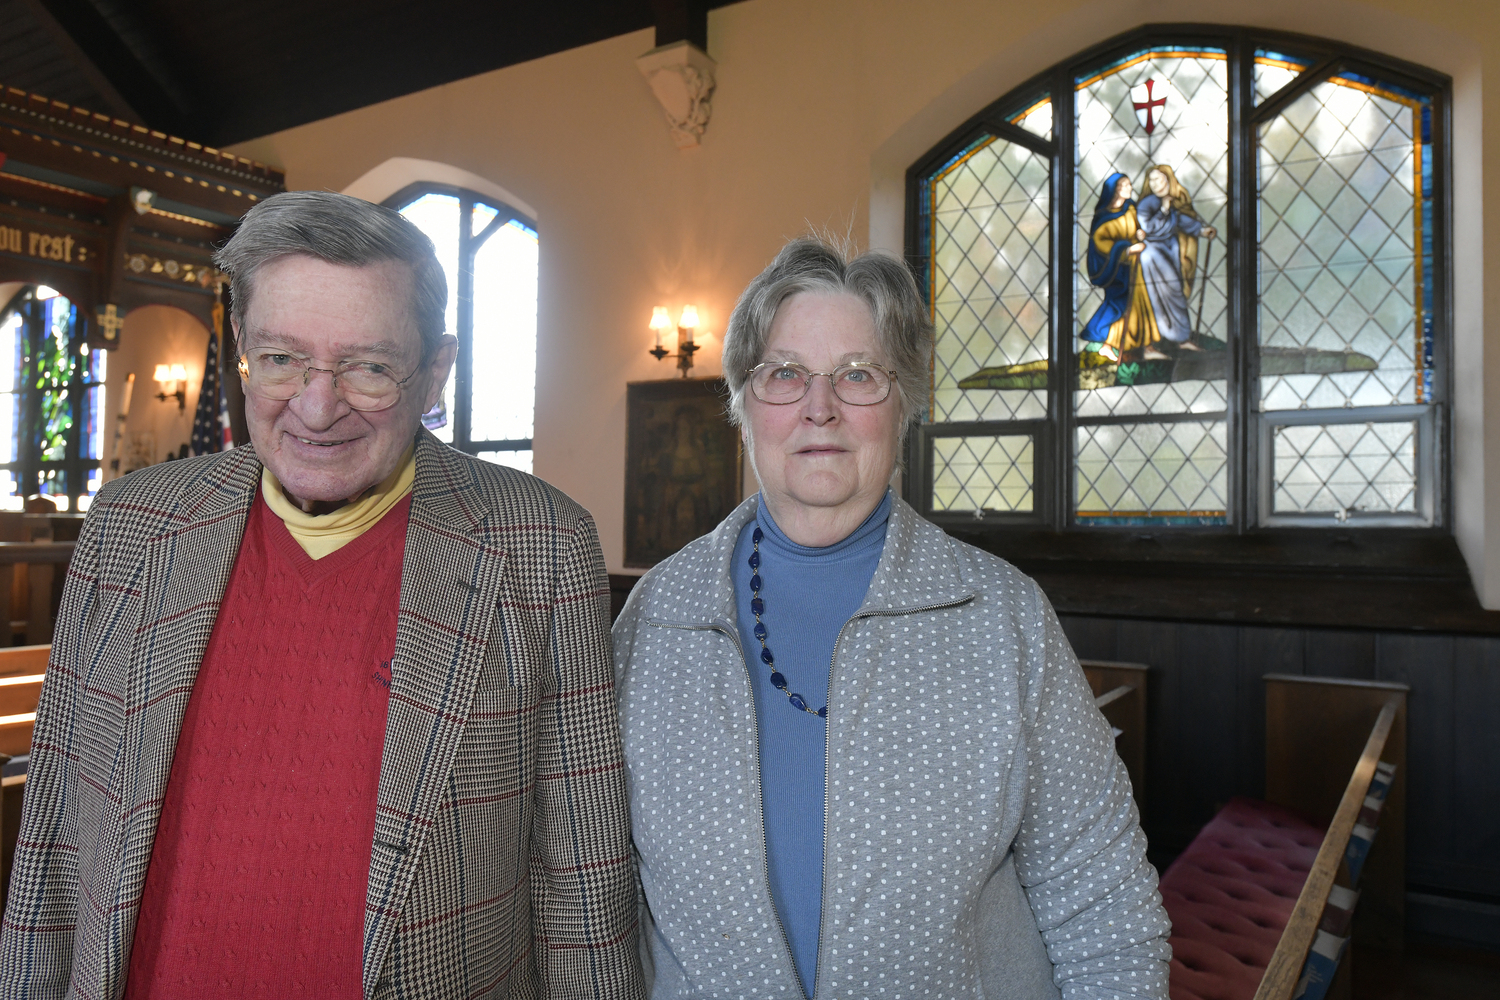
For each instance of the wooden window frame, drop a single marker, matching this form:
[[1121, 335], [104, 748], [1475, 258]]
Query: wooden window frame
[[469, 244], [1048, 537]]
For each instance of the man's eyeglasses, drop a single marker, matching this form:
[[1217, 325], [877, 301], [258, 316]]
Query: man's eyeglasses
[[365, 385], [860, 383]]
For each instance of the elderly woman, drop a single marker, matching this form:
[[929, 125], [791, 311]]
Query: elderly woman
[[861, 758]]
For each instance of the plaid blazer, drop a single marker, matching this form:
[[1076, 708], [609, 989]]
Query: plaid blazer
[[501, 860]]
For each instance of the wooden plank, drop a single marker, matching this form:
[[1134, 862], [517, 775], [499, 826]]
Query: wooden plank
[[1320, 719], [20, 694], [1262, 651], [1340, 654], [1125, 687], [39, 623], [33, 553], [1111, 696], [19, 660], [11, 792], [15, 734], [1285, 967], [1156, 643]]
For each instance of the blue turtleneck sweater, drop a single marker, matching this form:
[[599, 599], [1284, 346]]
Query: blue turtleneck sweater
[[809, 593]]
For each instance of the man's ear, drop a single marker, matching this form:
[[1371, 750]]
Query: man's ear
[[234, 346], [439, 368]]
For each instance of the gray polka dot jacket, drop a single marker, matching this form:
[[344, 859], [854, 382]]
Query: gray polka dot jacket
[[980, 835]]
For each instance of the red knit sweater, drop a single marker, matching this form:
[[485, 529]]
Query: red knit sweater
[[257, 880]]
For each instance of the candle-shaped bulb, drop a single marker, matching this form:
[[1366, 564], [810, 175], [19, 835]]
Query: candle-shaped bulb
[[686, 324], [660, 320]]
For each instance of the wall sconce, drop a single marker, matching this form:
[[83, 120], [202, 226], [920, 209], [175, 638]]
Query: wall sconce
[[177, 375], [686, 324]]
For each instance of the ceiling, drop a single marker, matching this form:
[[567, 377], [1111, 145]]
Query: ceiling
[[220, 73]]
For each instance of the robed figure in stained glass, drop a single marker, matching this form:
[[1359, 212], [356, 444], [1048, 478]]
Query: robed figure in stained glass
[[1170, 229], [1124, 321]]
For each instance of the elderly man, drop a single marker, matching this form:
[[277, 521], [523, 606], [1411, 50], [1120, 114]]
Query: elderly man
[[331, 715]]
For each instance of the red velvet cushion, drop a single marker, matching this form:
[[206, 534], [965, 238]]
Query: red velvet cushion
[[1230, 895]]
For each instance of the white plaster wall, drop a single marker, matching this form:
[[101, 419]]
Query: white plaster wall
[[153, 335], [820, 108]]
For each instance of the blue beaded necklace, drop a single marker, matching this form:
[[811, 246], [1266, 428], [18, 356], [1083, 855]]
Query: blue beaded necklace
[[758, 608]]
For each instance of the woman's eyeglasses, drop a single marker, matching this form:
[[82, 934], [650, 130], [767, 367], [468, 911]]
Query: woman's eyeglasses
[[860, 383]]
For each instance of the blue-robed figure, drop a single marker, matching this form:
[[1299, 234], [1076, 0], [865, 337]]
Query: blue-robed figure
[[1124, 320]]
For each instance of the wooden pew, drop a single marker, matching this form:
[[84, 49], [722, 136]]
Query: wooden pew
[[1313, 718], [1120, 693], [1248, 895], [42, 565], [21, 671]]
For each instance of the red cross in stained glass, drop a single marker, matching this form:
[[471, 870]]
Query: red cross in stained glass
[[1149, 106]]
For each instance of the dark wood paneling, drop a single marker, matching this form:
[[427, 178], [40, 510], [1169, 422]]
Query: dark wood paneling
[[1426, 663], [1208, 667], [1091, 638], [1262, 651], [1340, 654], [1476, 758]]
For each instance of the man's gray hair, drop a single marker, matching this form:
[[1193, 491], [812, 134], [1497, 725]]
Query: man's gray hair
[[342, 230], [903, 326]]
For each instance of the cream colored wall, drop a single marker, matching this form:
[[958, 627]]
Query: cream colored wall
[[820, 107], [153, 335]]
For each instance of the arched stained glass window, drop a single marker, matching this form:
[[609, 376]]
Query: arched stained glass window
[[489, 253], [1188, 282]]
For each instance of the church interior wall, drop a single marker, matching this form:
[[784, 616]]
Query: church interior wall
[[818, 111], [154, 335]]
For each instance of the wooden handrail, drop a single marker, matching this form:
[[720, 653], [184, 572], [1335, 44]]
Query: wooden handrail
[[1113, 695], [1285, 967]]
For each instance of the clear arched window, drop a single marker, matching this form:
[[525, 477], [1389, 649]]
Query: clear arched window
[[489, 252], [1190, 281]]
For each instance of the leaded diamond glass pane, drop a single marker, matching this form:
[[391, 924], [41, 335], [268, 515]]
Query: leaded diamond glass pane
[[1344, 314], [989, 284], [1345, 469], [1036, 119], [1166, 473], [983, 473], [1150, 205], [1274, 70]]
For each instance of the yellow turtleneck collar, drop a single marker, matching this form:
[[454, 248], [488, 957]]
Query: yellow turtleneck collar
[[322, 534]]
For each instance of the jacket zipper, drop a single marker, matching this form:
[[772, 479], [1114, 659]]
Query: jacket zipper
[[827, 738], [827, 747], [765, 864]]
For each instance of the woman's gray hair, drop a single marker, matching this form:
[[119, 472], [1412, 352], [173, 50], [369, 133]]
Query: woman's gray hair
[[339, 229], [903, 325]]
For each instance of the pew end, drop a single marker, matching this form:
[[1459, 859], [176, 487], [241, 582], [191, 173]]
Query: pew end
[[1120, 693], [1328, 719]]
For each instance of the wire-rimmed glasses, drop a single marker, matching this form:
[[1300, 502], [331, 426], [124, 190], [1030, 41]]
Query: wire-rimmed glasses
[[365, 385], [859, 383]]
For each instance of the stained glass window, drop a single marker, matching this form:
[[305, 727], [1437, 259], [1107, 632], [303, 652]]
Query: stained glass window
[[489, 253], [1247, 332], [51, 402]]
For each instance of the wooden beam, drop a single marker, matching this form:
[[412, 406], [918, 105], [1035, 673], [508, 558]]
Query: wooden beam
[[681, 20], [114, 101], [92, 43]]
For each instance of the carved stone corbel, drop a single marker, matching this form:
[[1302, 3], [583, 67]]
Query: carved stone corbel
[[681, 76]]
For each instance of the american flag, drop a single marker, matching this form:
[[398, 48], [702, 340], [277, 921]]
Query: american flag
[[208, 421]]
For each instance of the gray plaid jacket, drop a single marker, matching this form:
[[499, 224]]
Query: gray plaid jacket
[[501, 861]]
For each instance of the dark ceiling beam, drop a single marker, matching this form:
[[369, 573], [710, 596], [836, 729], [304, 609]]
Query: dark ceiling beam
[[681, 20], [107, 62]]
